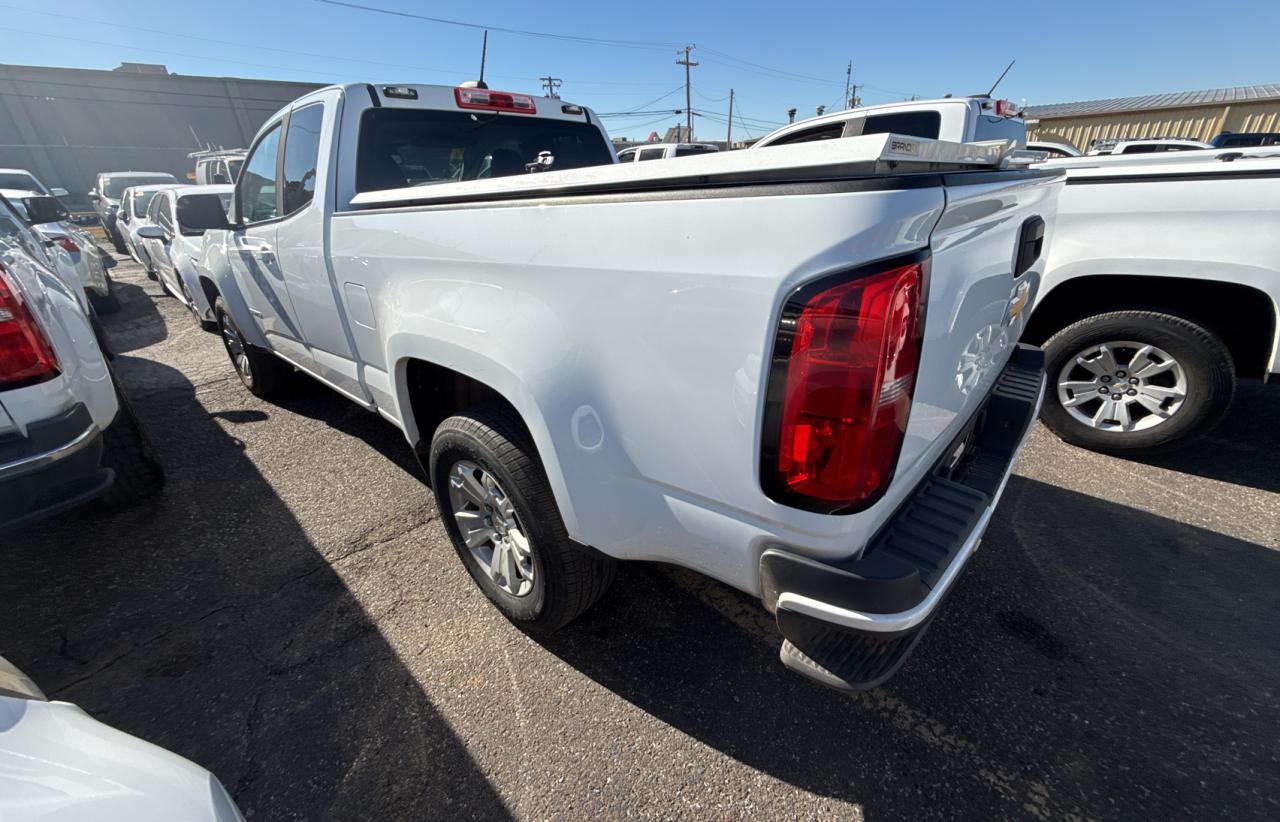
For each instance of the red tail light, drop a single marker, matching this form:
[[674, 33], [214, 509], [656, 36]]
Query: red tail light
[[482, 98], [25, 354], [840, 386], [68, 245]]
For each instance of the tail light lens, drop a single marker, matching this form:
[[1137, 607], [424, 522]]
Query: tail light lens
[[840, 386], [68, 245], [25, 354]]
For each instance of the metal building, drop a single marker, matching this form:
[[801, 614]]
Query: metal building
[[1200, 115], [67, 125]]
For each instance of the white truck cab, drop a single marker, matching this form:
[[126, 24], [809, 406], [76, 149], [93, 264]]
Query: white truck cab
[[1153, 145], [664, 151], [955, 119]]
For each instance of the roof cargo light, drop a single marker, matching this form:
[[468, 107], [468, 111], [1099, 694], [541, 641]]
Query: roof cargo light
[[486, 100], [1005, 108]]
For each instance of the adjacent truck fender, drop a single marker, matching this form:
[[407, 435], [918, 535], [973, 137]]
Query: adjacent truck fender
[[215, 274]]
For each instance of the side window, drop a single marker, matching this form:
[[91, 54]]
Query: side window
[[652, 154], [154, 208], [257, 200], [924, 124], [830, 131], [627, 156], [163, 218], [301, 155]]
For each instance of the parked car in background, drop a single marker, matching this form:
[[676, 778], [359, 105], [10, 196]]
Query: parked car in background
[[664, 151], [956, 119], [1160, 291], [218, 167], [819, 389], [1153, 145], [20, 179], [57, 762], [105, 196], [1228, 139], [133, 215], [177, 220], [1053, 149], [69, 248], [67, 434]]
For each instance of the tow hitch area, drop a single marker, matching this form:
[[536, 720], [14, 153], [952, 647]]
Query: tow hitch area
[[852, 624]]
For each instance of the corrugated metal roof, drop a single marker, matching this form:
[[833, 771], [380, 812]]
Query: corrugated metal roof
[[1237, 94]]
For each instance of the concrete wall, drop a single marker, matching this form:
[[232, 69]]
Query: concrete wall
[[1197, 122], [67, 125]]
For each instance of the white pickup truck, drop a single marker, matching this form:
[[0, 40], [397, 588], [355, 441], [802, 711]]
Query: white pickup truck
[[795, 371], [1161, 290]]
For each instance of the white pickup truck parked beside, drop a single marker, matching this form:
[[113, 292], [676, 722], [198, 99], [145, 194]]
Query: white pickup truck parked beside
[[795, 371], [1162, 288]]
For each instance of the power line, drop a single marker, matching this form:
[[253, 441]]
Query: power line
[[595, 41]]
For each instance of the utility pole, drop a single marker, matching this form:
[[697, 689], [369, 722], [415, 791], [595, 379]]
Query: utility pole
[[728, 137], [848, 77], [551, 84], [688, 100], [791, 115]]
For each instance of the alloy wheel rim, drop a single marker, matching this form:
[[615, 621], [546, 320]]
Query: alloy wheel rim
[[490, 528], [1122, 386], [235, 348]]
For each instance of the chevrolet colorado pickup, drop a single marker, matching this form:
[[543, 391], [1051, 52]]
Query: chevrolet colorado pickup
[[793, 370]]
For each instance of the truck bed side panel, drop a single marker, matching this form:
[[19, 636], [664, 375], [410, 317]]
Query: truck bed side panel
[[632, 337]]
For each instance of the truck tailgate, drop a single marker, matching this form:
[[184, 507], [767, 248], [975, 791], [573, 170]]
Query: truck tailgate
[[977, 303]]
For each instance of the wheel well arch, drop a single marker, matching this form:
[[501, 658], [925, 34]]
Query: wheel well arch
[[437, 392], [209, 288], [1243, 317]]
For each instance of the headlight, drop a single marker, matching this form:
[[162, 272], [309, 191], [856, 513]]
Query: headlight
[[15, 683]]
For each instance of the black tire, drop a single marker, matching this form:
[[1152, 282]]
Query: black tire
[[567, 579], [117, 241], [261, 371], [128, 452], [1205, 360], [204, 324], [109, 304]]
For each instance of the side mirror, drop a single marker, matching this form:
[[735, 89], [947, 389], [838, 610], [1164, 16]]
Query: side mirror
[[93, 195], [58, 192], [152, 232]]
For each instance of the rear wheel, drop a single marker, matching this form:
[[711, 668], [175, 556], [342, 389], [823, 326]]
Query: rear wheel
[[501, 516], [1136, 382], [261, 371]]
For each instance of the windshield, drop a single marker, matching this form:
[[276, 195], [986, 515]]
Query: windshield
[[411, 147], [20, 205], [142, 199], [20, 180], [114, 186]]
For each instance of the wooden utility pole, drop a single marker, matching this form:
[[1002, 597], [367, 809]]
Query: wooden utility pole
[[688, 100], [728, 137], [848, 77], [551, 84]]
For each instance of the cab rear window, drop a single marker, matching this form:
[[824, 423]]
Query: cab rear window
[[415, 147], [925, 124]]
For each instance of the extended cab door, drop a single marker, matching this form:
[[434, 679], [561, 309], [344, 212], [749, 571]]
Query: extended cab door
[[300, 245], [251, 249]]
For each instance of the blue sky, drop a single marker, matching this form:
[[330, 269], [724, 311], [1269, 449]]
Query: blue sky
[[775, 55]]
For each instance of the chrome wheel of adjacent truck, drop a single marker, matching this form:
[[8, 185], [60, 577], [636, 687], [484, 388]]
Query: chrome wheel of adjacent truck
[[260, 371], [501, 516], [1136, 382]]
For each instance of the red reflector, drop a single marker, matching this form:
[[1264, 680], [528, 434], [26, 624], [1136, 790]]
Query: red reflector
[[480, 98], [846, 382], [25, 354], [69, 245]]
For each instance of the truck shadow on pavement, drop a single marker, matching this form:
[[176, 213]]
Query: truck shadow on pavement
[[138, 323], [207, 622], [1242, 449], [1094, 660]]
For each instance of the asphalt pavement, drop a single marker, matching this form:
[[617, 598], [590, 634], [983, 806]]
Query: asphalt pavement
[[289, 614]]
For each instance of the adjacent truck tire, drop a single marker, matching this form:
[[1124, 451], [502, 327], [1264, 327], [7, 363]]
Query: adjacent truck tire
[[1179, 388], [261, 371], [128, 452], [559, 580]]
